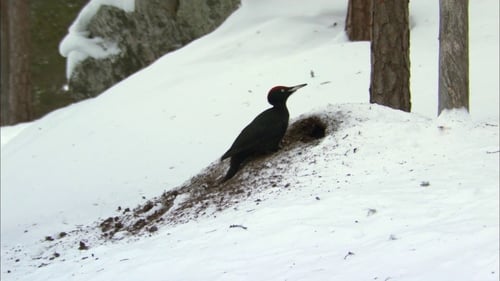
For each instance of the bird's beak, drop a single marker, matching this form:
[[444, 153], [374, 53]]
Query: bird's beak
[[295, 88]]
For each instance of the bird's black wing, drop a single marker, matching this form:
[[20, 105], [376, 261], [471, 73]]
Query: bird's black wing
[[263, 133]]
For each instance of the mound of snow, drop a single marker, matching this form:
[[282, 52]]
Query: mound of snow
[[392, 193]]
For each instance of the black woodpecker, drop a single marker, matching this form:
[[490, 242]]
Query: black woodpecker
[[264, 134]]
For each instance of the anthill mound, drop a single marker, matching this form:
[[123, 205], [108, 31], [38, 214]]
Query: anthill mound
[[206, 193]]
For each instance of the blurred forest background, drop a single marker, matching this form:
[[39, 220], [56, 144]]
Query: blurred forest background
[[33, 79], [46, 22], [49, 23], [33, 76]]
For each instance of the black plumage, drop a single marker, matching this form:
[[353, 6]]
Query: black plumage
[[264, 134]]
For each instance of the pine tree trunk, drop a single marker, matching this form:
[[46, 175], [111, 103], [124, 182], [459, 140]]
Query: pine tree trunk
[[453, 54], [358, 20], [16, 93], [390, 54], [4, 63]]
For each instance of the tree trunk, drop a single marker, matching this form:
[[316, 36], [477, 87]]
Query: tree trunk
[[4, 63], [16, 93], [390, 54], [453, 54], [359, 20]]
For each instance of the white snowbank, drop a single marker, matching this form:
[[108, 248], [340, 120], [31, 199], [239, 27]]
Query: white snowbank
[[7, 133]]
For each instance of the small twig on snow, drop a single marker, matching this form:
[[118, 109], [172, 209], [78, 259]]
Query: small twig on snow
[[238, 225], [348, 254]]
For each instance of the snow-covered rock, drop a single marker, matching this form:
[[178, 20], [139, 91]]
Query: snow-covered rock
[[110, 40]]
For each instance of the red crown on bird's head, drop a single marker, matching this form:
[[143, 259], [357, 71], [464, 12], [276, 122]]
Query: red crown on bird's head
[[278, 89]]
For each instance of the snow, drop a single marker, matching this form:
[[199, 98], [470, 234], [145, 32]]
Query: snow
[[77, 46], [10, 132], [387, 196]]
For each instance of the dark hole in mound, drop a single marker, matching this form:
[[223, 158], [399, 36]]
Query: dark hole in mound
[[306, 130]]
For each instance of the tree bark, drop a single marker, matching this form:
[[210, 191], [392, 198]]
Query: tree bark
[[16, 94], [390, 54], [453, 54], [4, 62], [359, 20]]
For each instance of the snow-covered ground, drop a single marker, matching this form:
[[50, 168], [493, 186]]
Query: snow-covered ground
[[387, 196]]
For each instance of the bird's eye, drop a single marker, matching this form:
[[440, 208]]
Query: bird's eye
[[282, 90]]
